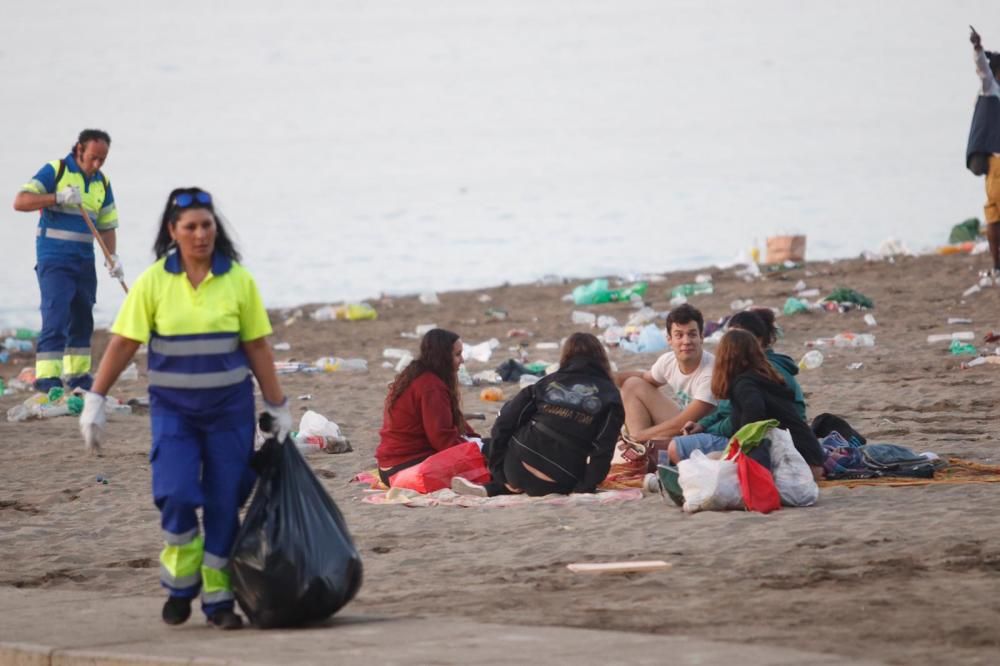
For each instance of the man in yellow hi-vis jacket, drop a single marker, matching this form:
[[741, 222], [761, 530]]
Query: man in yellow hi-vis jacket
[[65, 256]]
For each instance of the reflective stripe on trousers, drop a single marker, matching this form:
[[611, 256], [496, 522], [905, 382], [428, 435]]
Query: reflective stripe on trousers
[[180, 562]]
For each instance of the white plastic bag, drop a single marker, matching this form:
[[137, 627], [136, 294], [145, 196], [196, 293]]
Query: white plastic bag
[[313, 423], [709, 484], [791, 472]]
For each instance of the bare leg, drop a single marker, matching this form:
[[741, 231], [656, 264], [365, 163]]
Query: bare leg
[[993, 236], [672, 452], [646, 405]]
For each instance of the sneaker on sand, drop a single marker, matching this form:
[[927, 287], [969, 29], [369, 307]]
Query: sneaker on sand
[[225, 619], [650, 484], [466, 487], [176, 610]]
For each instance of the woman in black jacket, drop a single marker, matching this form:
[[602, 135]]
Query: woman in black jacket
[[757, 393], [557, 435]]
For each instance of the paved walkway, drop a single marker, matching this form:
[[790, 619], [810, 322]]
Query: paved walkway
[[41, 627]]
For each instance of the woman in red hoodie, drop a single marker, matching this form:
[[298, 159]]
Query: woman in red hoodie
[[422, 411]]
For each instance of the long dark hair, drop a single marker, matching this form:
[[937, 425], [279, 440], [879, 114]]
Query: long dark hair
[[585, 346], [437, 356], [739, 352], [171, 212]]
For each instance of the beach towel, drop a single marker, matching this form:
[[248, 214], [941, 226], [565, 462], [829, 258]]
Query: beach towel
[[957, 471]]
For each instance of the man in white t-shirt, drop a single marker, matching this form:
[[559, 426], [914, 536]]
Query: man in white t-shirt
[[677, 389]]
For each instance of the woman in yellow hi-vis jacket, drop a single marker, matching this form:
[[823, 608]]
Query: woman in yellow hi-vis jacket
[[201, 314]]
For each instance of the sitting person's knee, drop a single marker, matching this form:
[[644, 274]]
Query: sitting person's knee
[[631, 385], [672, 452]]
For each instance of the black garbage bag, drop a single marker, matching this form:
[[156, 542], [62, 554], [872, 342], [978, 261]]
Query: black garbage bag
[[293, 562]]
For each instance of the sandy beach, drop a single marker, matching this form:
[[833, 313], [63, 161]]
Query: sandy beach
[[903, 575]]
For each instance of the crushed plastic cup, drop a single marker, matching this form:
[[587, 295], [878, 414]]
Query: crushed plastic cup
[[811, 360], [604, 321], [870, 320], [855, 366], [585, 318]]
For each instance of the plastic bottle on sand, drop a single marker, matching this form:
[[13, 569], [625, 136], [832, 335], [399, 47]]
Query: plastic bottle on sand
[[811, 360]]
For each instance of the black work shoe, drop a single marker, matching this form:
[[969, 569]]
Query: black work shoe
[[177, 610], [225, 619]]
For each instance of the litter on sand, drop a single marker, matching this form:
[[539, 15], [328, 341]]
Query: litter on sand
[[618, 567]]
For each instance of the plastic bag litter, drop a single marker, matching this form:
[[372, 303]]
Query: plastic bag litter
[[651, 339], [293, 561], [709, 484], [791, 472]]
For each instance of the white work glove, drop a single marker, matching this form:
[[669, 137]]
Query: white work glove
[[281, 419], [69, 196], [115, 268], [92, 421]]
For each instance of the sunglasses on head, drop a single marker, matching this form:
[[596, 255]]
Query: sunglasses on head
[[185, 199]]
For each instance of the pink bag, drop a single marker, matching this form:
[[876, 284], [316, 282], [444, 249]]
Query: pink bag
[[435, 473]]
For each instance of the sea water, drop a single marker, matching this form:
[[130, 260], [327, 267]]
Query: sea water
[[398, 146]]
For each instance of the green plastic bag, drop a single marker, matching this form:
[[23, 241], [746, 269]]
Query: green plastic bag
[[964, 231], [598, 291], [845, 295], [959, 348], [795, 306]]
